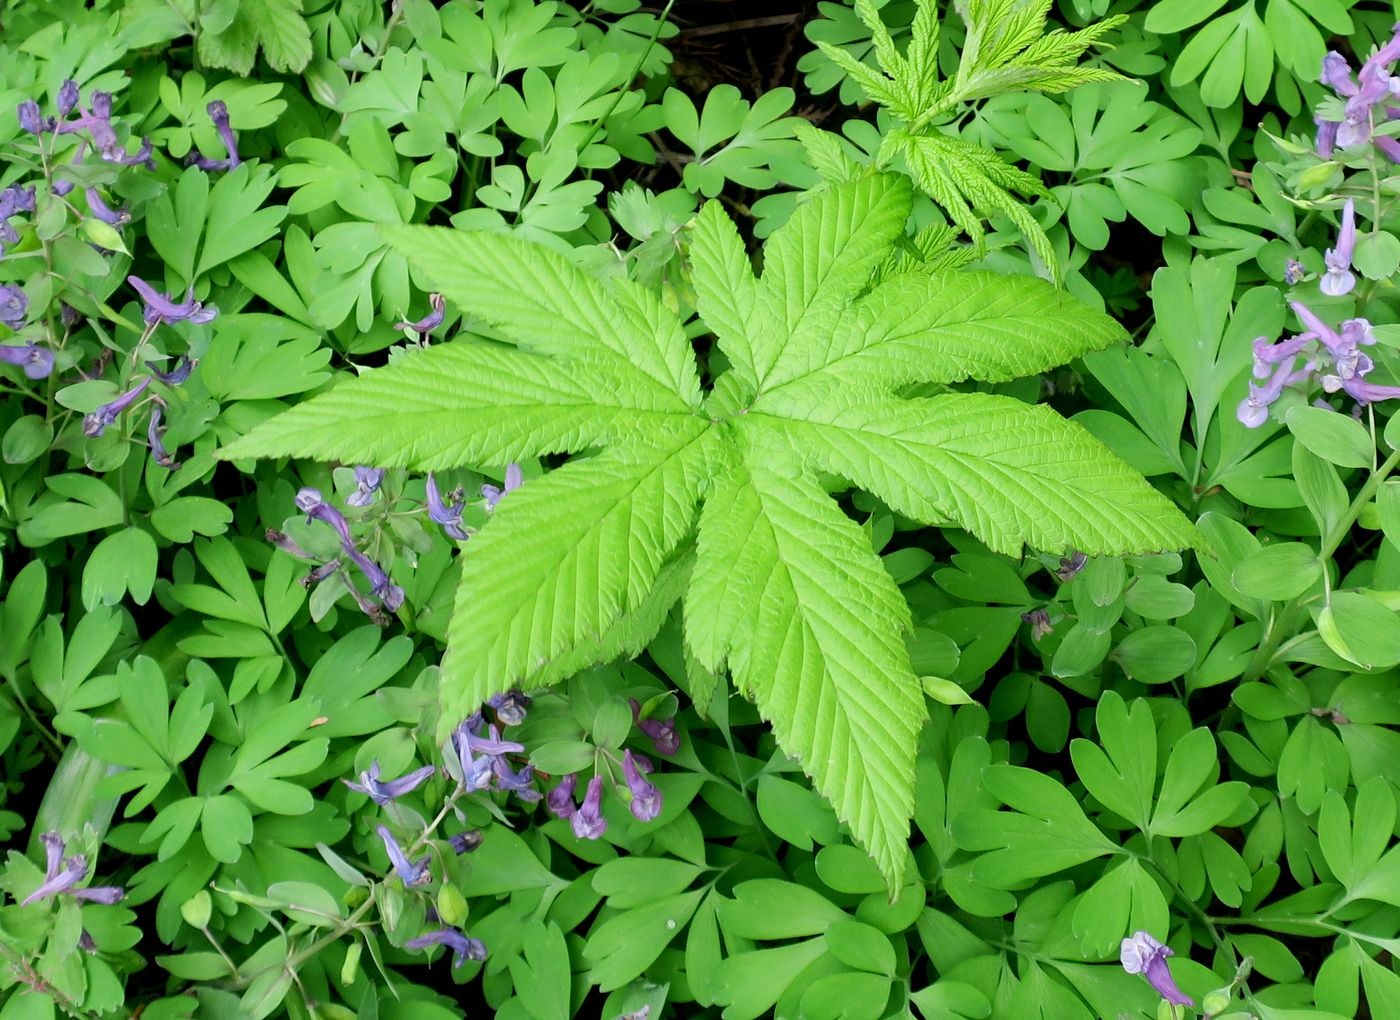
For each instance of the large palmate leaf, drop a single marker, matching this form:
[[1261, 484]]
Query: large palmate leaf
[[717, 496]]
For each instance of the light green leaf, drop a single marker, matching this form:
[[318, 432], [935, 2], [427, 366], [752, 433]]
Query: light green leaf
[[1009, 472], [541, 301], [563, 558], [464, 402], [787, 590]]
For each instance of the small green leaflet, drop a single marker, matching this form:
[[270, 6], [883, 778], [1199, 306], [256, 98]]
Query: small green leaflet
[[777, 582]]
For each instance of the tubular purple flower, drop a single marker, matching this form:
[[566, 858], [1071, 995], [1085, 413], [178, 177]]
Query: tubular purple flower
[[367, 481], [1267, 354], [62, 875], [67, 97], [379, 584], [587, 821], [153, 434], [1336, 74], [96, 423], [15, 200], [36, 361], [177, 375], [74, 870], [14, 305], [465, 842], [560, 800], [319, 574], [519, 783], [309, 502], [463, 947], [1325, 333], [1389, 146], [1070, 565], [664, 737], [410, 873], [1039, 619], [1363, 392], [429, 322], [1143, 954], [1254, 409], [1326, 136], [492, 743], [510, 707], [514, 478], [448, 516], [1339, 279], [1293, 272], [1388, 53], [384, 792], [30, 117], [218, 113], [646, 798], [100, 209], [163, 308]]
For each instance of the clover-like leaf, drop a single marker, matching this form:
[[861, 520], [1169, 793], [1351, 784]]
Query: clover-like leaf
[[718, 495]]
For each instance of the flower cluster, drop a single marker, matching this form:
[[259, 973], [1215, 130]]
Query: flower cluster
[[62, 875], [643, 798], [1365, 95], [480, 750], [95, 119], [310, 502], [1331, 357], [14, 200]]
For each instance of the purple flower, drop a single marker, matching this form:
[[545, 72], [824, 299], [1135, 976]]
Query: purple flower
[[67, 97], [309, 502], [429, 322], [36, 361], [383, 792], [463, 947], [1326, 137], [510, 707], [16, 199], [1293, 272], [100, 209], [1070, 565], [96, 423], [449, 516], [1360, 390], [412, 874], [513, 480], [177, 375], [1254, 409], [465, 842], [519, 783], [30, 118], [1336, 74], [477, 771], [367, 480], [1142, 954], [163, 308], [1039, 619], [588, 822], [1339, 279], [218, 113], [62, 874], [646, 798], [560, 800], [318, 574], [379, 584], [14, 304], [664, 737], [153, 433]]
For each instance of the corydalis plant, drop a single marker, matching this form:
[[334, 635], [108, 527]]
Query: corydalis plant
[[583, 564]]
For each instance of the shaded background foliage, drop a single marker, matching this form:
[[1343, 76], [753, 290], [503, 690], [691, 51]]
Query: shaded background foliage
[[1171, 743]]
